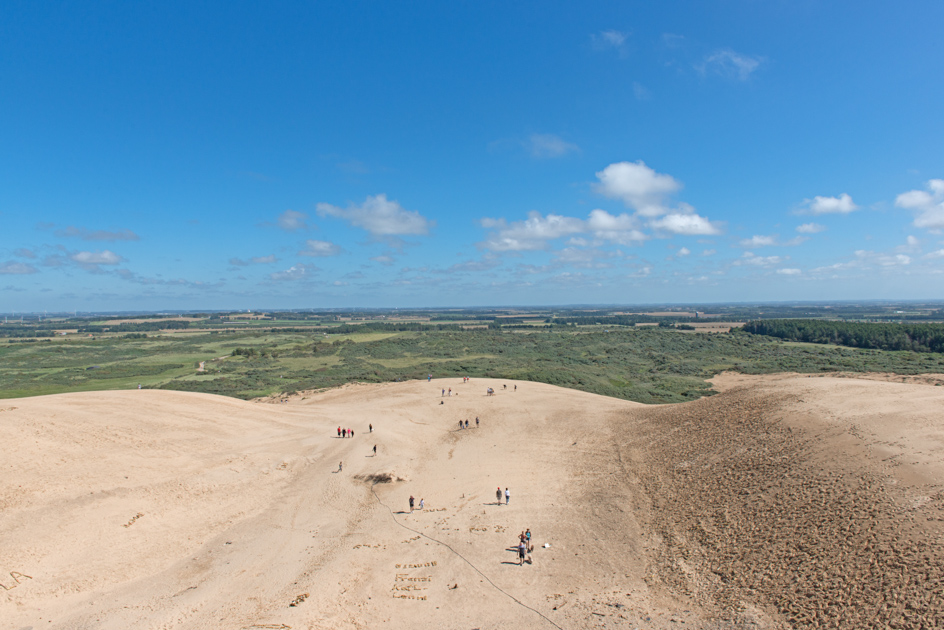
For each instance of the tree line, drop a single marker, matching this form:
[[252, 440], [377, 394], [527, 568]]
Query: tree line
[[914, 337], [619, 320]]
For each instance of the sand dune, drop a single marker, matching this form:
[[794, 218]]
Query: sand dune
[[781, 502]]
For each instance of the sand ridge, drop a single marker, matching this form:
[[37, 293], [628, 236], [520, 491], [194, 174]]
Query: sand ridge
[[783, 502]]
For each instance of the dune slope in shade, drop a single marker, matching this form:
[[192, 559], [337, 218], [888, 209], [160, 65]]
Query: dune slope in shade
[[784, 501]]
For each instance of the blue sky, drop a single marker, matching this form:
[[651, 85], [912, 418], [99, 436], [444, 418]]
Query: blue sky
[[161, 156]]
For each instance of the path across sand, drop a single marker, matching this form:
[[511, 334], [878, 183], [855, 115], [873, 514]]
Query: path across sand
[[158, 509]]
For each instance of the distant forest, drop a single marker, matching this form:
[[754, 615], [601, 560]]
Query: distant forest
[[914, 337]]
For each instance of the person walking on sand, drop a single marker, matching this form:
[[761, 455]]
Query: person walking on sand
[[444, 392], [375, 450], [460, 424], [476, 422], [507, 496], [411, 503], [527, 539], [422, 503], [521, 552], [498, 495], [339, 431], [370, 428], [340, 466], [466, 424]]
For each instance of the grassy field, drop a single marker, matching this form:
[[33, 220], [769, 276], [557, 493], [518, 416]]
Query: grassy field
[[645, 364]]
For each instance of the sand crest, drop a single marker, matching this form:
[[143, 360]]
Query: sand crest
[[781, 502]]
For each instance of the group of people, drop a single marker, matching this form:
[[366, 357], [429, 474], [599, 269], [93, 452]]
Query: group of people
[[498, 495], [524, 547], [413, 501], [465, 424], [345, 433]]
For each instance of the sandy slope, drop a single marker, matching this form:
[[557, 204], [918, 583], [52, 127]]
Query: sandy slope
[[783, 501]]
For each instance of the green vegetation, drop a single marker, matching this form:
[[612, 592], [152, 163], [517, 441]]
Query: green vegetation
[[647, 364], [914, 337]]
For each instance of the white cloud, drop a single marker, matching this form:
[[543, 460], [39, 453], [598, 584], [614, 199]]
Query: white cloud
[[291, 221], [319, 248], [570, 278], [894, 260], [759, 241], [585, 258], [622, 229], [613, 38], [547, 145], [749, 258], [885, 260], [810, 228], [683, 252], [671, 40], [486, 263], [295, 272], [938, 254], [709, 252], [842, 204], [534, 233], [641, 92], [17, 268], [789, 272], [130, 276], [730, 64], [532, 269], [384, 259], [97, 235], [379, 216], [912, 241], [634, 183], [767, 241], [530, 234], [837, 266], [609, 39], [688, 224], [93, 259], [255, 260], [928, 206], [603, 221], [637, 186]]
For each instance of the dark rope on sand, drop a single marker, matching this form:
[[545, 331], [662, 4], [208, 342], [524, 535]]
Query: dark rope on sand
[[498, 588]]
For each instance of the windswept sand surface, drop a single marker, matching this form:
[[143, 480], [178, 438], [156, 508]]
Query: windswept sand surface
[[784, 501]]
